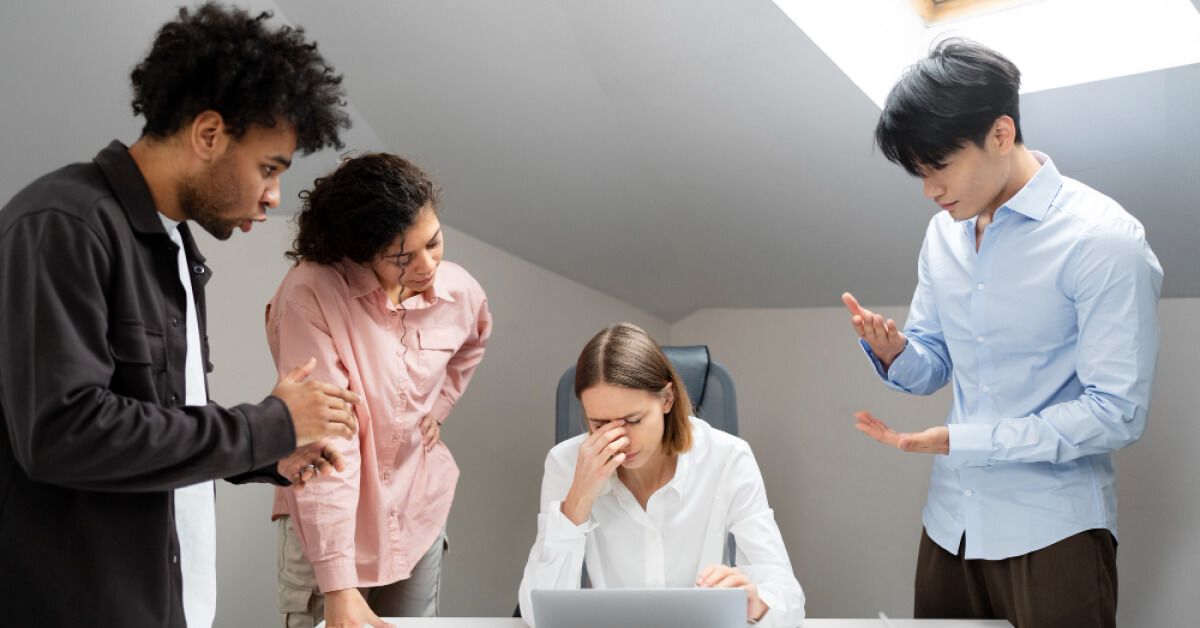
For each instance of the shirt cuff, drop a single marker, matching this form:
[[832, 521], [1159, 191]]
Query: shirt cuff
[[336, 574], [971, 443], [898, 365], [272, 435], [441, 409], [562, 530], [774, 608]]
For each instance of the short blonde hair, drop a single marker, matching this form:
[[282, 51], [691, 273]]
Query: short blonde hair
[[625, 355]]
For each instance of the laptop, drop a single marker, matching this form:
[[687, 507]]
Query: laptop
[[640, 608]]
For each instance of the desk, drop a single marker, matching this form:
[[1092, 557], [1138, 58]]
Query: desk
[[507, 622]]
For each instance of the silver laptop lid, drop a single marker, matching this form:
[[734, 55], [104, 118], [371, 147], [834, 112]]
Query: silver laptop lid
[[640, 608]]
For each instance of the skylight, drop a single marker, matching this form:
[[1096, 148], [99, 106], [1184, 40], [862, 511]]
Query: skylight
[[1055, 42]]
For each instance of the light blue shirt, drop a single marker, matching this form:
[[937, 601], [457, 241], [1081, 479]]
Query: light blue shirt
[[1049, 334]]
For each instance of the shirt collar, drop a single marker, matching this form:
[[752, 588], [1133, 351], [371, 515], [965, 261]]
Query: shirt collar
[[130, 188], [362, 281], [1034, 200]]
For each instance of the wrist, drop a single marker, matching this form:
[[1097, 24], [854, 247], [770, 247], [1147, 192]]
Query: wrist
[[575, 508]]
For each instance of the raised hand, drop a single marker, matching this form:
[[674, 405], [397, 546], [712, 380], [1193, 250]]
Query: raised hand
[[935, 440], [318, 410], [881, 334], [726, 577], [599, 456]]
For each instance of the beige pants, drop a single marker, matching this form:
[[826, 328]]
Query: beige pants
[[303, 605]]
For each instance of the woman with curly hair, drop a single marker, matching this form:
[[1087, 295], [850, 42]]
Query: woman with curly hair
[[386, 317]]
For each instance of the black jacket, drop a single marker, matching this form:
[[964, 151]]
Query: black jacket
[[92, 345]]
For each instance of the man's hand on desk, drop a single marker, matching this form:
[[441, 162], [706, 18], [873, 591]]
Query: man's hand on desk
[[346, 608], [935, 440]]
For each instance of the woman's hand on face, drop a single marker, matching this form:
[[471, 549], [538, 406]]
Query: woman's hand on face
[[599, 456], [725, 577]]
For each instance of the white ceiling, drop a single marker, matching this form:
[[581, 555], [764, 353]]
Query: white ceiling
[[677, 154]]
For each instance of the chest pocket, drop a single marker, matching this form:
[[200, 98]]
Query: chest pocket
[[438, 344], [139, 359]]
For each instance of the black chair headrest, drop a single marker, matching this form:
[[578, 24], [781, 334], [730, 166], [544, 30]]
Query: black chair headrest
[[692, 365]]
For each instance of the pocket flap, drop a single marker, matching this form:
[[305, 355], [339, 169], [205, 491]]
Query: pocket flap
[[446, 338]]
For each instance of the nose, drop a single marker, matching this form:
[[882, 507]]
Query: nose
[[270, 196], [932, 189]]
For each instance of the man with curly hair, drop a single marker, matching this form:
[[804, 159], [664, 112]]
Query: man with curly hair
[[110, 443]]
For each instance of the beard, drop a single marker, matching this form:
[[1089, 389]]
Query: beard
[[209, 199]]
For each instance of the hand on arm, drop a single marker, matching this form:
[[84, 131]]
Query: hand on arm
[[725, 577], [319, 410], [599, 456], [935, 440], [306, 463], [885, 340], [346, 608]]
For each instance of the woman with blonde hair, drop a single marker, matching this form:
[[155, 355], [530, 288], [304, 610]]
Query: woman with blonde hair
[[649, 494]]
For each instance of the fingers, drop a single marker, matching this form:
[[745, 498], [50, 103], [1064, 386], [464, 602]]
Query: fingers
[[716, 575], [873, 427], [301, 373], [852, 303], [612, 463], [342, 394]]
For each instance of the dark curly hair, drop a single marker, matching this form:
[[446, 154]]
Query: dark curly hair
[[222, 59], [357, 211]]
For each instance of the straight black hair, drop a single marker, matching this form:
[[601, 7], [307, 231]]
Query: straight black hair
[[947, 99]]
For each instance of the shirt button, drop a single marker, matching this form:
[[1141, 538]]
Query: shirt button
[[395, 438], [968, 492], [387, 475], [174, 322], [199, 270], [173, 399], [395, 314], [987, 388], [979, 339], [979, 286], [174, 559]]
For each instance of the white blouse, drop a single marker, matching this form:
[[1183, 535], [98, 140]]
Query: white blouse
[[717, 490]]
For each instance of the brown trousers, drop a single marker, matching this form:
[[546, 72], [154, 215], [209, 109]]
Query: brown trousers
[[1070, 584]]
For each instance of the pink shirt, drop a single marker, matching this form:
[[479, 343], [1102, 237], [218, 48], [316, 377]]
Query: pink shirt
[[369, 525]]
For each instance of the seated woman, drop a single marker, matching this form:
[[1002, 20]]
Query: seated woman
[[372, 300], [649, 494]]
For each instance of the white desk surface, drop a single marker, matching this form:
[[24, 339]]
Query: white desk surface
[[508, 622]]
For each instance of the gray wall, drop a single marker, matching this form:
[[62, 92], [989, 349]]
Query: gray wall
[[850, 509]]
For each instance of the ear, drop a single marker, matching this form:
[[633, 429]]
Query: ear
[[668, 397], [206, 136], [1004, 134]]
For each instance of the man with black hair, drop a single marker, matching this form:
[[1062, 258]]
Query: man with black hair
[[110, 444], [1037, 297]]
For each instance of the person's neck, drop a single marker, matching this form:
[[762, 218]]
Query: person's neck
[[160, 167], [1023, 166], [655, 474]]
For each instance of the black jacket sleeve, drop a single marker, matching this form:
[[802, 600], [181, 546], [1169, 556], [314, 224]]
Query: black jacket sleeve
[[77, 388]]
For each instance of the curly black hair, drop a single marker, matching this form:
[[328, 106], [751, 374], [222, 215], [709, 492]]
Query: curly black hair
[[357, 211], [222, 59]]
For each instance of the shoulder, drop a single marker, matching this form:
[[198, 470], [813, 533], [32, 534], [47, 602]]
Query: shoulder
[[563, 456], [715, 447], [77, 193], [459, 283], [311, 285]]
